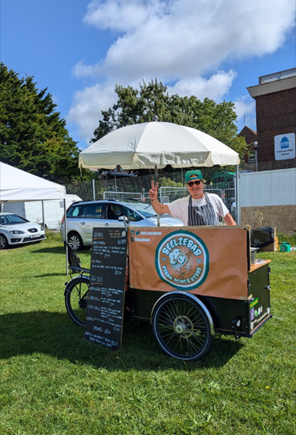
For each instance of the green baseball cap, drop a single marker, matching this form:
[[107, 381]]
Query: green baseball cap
[[197, 175]]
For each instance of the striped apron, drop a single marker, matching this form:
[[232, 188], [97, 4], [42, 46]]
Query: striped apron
[[203, 215]]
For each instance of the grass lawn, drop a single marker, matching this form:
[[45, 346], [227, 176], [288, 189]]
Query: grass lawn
[[54, 382]]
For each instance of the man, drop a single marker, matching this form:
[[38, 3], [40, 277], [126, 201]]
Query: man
[[198, 208]]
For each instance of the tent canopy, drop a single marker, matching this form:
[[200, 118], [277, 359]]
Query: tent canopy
[[157, 144], [20, 186]]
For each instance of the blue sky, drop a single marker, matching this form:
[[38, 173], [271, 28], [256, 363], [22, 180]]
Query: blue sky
[[79, 50]]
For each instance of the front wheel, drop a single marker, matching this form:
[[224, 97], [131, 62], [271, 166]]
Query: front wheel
[[3, 242], [76, 298], [181, 327]]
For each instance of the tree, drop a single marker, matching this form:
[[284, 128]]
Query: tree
[[135, 106], [32, 135], [167, 182]]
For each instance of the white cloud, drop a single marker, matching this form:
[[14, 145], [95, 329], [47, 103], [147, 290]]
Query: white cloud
[[87, 106], [179, 41], [214, 88], [186, 37], [122, 15], [80, 70]]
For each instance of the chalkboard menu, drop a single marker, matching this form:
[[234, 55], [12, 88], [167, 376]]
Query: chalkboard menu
[[104, 317]]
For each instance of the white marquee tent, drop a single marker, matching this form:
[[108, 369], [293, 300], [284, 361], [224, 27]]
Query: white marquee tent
[[17, 185], [20, 186]]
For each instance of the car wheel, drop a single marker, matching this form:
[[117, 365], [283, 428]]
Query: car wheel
[[3, 242], [75, 241]]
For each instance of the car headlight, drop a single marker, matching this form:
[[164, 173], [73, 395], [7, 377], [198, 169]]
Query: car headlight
[[16, 232]]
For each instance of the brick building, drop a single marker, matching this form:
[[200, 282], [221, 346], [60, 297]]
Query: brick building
[[269, 198], [250, 137], [275, 97]]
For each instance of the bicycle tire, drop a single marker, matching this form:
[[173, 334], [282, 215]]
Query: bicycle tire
[[76, 298], [181, 327]]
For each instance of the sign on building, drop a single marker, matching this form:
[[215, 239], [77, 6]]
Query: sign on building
[[284, 146]]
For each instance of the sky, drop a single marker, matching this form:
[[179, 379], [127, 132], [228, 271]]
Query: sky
[[80, 49]]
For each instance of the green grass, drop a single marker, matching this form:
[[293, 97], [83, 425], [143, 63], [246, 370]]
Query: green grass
[[54, 382], [291, 239]]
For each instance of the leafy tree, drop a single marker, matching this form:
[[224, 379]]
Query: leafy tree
[[167, 182], [32, 135], [135, 106]]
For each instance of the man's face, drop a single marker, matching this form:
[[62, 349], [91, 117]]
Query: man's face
[[195, 187]]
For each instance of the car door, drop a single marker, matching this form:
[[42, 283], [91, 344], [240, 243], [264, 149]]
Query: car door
[[92, 218], [112, 213]]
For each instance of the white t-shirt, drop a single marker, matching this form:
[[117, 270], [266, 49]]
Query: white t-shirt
[[179, 208]]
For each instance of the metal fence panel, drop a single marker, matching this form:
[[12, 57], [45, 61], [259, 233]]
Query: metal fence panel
[[122, 195]]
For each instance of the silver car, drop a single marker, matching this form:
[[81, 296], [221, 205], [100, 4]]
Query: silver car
[[83, 216], [15, 230]]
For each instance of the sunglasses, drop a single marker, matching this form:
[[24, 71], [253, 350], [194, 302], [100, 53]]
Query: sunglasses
[[196, 182]]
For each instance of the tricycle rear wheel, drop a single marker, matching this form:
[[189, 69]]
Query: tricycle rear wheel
[[76, 299], [181, 327]]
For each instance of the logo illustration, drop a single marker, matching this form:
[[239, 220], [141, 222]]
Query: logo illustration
[[284, 143], [182, 260]]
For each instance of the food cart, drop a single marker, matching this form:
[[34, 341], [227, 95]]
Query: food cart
[[194, 282], [190, 282]]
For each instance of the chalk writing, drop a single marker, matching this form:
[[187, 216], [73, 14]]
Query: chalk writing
[[107, 282]]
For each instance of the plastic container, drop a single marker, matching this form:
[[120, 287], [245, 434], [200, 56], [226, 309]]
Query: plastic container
[[285, 247]]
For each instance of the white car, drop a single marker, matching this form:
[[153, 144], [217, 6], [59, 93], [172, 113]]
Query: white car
[[15, 230], [83, 216]]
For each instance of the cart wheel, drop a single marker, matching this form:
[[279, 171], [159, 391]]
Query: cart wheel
[[181, 326], [76, 297]]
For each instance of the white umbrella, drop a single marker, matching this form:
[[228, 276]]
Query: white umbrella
[[157, 144]]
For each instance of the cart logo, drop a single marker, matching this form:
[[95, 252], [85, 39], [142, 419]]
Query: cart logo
[[182, 260]]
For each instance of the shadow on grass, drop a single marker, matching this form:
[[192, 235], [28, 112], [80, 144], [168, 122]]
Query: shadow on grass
[[52, 274], [56, 335], [59, 250], [53, 250]]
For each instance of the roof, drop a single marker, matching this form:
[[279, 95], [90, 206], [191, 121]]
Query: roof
[[246, 128], [249, 134]]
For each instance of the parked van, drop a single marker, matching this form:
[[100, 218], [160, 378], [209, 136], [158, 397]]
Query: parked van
[[32, 210]]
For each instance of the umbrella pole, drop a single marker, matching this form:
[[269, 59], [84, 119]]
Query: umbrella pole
[[93, 189], [155, 180], [237, 204], [66, 236]]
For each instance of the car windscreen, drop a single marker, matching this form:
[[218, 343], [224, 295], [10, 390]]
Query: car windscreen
[[132, 215], [144, 209], [11, 219]]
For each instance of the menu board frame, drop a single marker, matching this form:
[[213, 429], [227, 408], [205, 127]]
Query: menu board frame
[[105, 308]]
